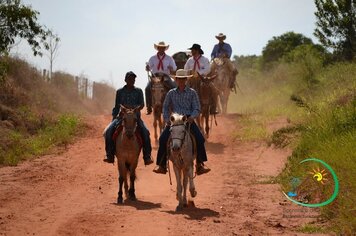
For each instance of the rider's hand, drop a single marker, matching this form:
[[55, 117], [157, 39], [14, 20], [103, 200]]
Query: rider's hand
[[147, 67], [190, 119], [168, 123]]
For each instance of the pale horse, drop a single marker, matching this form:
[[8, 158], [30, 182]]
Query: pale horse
[[221, 68], [128, 148], [182, 156]]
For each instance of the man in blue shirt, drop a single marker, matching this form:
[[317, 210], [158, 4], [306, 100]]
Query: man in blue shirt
[[223, 50], [128, 96], [182, 100]]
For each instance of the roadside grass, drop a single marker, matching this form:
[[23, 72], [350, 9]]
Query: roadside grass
[[58, 133], [322, 124]]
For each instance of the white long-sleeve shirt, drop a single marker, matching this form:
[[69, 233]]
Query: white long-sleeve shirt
[[153, 63], [202, 66]]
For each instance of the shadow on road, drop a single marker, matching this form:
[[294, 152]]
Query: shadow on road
[[194, 213], [139, 205]]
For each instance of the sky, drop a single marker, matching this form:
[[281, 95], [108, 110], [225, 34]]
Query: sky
[[104, 39]]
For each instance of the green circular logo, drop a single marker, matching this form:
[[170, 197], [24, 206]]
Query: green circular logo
[[319, 176]]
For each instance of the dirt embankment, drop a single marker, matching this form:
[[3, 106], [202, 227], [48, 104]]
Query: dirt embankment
[[74, 193]]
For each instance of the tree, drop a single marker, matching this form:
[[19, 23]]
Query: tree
[[18, 20], [52, 46], [280, 46], [336, 26]]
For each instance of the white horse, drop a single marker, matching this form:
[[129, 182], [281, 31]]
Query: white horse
[[182, 157]]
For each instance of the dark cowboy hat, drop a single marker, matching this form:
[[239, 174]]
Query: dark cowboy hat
[[130, 74], [197, 47]]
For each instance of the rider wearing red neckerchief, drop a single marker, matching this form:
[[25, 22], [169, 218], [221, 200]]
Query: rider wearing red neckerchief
[[197, 65], [162, 64]]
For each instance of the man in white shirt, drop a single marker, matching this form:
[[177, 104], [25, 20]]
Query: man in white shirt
[[199, 66], [160, 64]]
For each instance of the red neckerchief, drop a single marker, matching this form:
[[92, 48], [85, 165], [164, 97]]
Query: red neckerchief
[[196, 62], [160, 63]]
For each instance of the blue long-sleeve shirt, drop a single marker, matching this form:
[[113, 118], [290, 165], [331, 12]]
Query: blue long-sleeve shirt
[[184, 102], [220, 49], [128, 98]]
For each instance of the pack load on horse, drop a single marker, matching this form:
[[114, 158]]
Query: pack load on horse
[[181, 154], [225, 70]]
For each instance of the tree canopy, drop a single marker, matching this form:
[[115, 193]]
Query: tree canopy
[[19, 21], [279, 46], [336, 26]]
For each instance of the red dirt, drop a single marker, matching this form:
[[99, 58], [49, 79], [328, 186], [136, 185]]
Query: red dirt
[[74, 193]]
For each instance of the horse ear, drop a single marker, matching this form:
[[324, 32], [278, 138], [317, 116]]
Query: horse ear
[[184, 118], [136, 109], [172, 119]]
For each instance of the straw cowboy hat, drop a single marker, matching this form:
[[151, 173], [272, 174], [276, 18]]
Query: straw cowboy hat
[[161, 45], [220, 36], [182, 74], [197, 47]]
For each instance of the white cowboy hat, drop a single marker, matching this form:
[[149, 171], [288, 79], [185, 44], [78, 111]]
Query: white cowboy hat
[[182, 74], [161, 44], [220, 36]]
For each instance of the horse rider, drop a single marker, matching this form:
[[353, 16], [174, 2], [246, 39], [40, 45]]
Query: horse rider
[[199, 65], [182, 100], [163, 65], [224, 50], [128, 96]]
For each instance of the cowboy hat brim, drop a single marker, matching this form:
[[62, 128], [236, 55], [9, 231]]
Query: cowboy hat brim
[[156, 46], [223, 37]]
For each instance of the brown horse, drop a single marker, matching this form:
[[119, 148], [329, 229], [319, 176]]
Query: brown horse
[[205, 93], [159, 92], [128, 149], [224, 72]]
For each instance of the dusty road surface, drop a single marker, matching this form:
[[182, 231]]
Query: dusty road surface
[[74, 192]]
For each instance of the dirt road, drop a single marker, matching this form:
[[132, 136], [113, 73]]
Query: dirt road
[[74, 192]]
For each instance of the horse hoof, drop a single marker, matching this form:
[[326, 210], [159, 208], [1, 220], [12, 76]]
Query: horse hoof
[[179, 208], [193, 193], [133, 198], [120, 201]]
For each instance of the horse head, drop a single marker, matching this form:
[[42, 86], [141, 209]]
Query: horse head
[[129, 119], [158, 90], [178, 131]]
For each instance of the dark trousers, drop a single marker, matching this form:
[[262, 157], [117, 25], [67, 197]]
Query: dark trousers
[[163, 139], [167, 83], [110, 145]]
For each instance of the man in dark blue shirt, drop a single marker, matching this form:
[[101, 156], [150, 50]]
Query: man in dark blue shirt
[[128, 96]]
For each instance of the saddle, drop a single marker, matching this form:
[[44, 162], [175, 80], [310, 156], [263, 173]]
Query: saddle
[[119, 129]]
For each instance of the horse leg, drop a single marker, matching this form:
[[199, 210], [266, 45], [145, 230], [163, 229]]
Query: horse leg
[[192, 190], [207, 125], [132, 195], [185, 183], [177, 172], [155, 125], [120, 200]]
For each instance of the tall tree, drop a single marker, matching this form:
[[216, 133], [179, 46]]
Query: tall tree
[[52, 46], [336, 26], [19, 21]]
